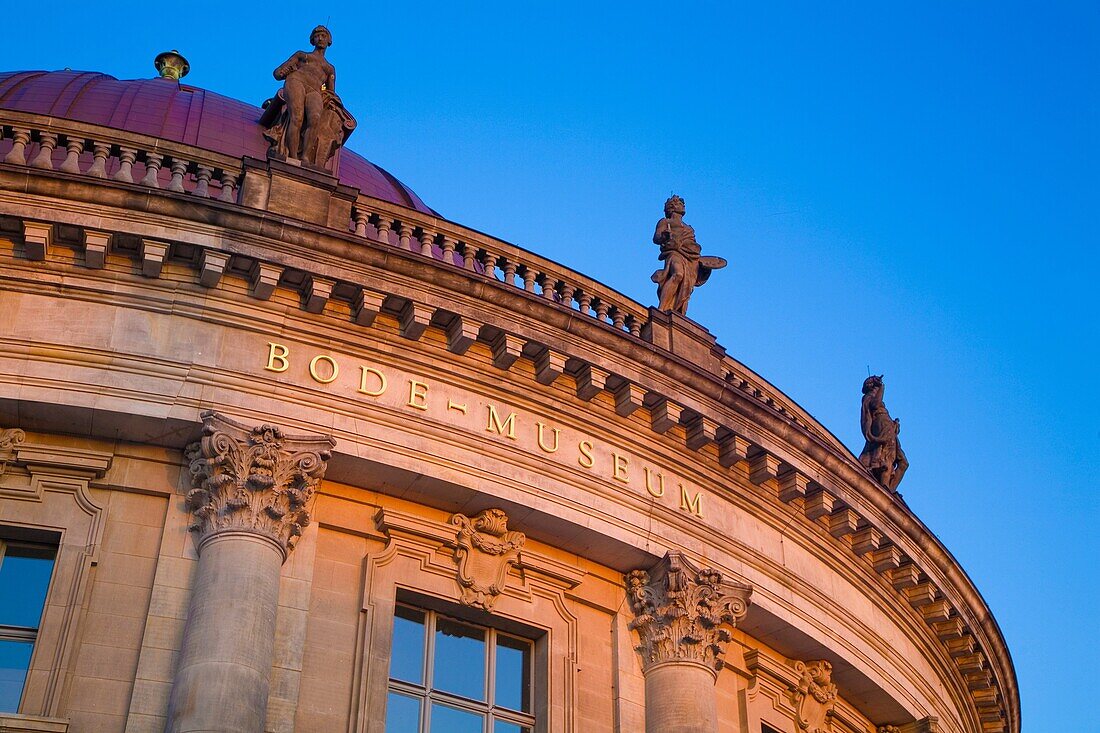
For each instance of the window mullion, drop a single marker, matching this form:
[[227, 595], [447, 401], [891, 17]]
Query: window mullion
[[429, 671]]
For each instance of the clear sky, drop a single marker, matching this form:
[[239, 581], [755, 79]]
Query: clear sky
[[909, 187]]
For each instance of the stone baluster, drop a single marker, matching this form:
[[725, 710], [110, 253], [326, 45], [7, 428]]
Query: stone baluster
[[618, 318], [488, 262], [229, 186], [253, 488], [203, 174], [469, 255], [359, 219], [567, 292], [528, 276], [383, 227], [47, 141], [509, 268], [179, 170], [125, 172], [584, 300], [549, 286], [635, 325], [153, 162], [683, 615], [426, 241], [449, 244], [601, 310], [20, 137], [404, 234], [73, 149], [100, 153]]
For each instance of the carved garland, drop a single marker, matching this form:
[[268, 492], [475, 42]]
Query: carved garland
[[683, 613], [254, 479], [484, 551]]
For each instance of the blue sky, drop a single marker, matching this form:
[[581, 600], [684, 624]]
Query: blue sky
[[909, 187]]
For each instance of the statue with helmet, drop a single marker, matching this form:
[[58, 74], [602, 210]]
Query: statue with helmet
[[882, 454], [306, 121]]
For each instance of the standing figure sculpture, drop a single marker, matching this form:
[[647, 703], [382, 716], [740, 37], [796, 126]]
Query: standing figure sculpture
[[305, 120], [882, 454], [685, 268]]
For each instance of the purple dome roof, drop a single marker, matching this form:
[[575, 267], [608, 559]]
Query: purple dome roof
[[164, 109]]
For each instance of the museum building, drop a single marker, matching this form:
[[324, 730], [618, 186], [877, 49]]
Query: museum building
[[283, 449]]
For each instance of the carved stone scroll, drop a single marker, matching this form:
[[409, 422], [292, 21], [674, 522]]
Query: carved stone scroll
[[813, 697], [484, 551], [8, 440], [255, 479], [683, 613]]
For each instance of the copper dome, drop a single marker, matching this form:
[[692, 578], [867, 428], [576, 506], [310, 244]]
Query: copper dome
[[177, 112]]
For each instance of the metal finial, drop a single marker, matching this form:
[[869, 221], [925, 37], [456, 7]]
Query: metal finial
[[171, 65]]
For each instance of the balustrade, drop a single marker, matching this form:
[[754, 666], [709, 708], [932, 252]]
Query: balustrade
[[103, 153]]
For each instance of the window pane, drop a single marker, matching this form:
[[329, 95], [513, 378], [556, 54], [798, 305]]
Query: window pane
[[501, 727], [24, 576], [402, 714], [407, 654], [459, 659], [15, 659], [452, 720], [513, 680]]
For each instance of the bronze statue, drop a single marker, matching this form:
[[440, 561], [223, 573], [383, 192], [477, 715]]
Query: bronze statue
[[685, 269], [882, 455], [306, 120]]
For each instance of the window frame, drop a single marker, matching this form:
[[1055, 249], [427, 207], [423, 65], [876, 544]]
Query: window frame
[[427, 695], [25, 634]]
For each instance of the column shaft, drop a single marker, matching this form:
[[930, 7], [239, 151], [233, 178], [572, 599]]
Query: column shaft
[[225, 663], [680, 698]]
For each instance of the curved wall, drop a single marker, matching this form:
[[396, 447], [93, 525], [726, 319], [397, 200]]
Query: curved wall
[[608, 440]]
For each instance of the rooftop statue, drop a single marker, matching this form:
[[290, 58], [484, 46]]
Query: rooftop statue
[[685, 269], [305, 120], [882, 454]]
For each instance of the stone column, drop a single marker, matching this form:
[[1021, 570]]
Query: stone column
[[683, 616], [252, 492]]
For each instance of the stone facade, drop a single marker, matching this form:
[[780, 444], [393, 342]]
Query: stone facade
[[281, 410]]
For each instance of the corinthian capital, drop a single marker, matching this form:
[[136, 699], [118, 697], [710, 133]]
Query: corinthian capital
[[254, 479], [683, 613]]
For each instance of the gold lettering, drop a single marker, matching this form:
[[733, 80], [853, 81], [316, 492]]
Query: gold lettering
[[506, 428], [418, 395], [542, 444], [277, 357], [363, 372], [660, 483], [691, 504], [452, 405], [314, 373], [618, 468], [586, 460]]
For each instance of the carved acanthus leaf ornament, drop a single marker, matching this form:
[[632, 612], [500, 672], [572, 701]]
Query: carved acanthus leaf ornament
[[254, 479], [484, 550], [8, 440], [683, 613], [814, 696]]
